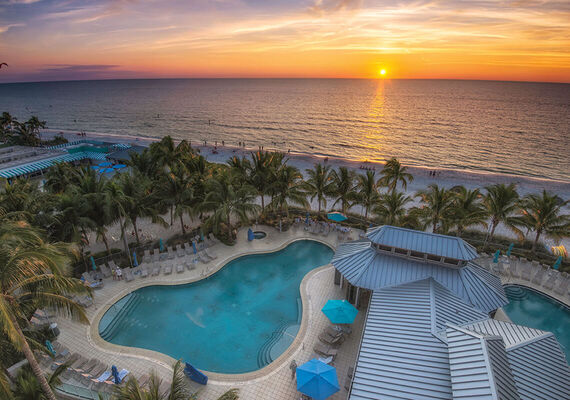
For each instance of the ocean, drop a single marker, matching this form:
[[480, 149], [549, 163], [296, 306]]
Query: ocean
[[479, 126]]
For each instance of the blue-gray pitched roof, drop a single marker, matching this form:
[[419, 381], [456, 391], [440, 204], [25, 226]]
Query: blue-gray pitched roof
[[365, 267], [479, 366], [423, 242]]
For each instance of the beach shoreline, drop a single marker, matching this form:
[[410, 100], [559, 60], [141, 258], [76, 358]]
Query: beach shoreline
[[443, 177]]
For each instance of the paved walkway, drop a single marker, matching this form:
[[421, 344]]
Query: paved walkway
[[272, 382]]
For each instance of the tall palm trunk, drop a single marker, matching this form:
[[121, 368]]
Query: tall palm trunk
[[262, 202], [171, 215], [104, 238], [32, 360], [134, 219], [182, 225], [535, 243], [494, 224], [123, 235]]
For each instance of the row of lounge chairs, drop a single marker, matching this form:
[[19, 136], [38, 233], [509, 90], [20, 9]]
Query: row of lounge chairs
[[180, 252], [531, 271]]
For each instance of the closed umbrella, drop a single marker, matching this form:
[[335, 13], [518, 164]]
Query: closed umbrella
[[115, 374], [317, 379], [50, 348], [307, 219], [496, 257], [510, 249], [340, 311], [161, 245], [93, 263], [336, 216], [135, 262], [194, 246], [250, 235], [557, 263], [201, 236]]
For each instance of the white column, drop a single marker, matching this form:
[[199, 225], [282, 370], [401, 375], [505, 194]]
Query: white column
[[357, 296]]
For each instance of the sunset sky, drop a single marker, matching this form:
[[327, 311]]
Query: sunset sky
[[527, 40]]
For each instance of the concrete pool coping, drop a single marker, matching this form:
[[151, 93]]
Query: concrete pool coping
[[94, 338]]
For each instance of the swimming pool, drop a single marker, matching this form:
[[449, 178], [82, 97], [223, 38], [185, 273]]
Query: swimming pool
[[238, 320], [531, 308]]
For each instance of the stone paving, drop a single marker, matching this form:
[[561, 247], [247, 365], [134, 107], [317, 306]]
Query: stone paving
[[271, 382]]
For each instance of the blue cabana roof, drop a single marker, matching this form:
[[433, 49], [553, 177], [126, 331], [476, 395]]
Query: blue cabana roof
[[422, 242], [367, 268]]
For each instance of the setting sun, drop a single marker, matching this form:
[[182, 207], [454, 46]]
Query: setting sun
[[382, 72]]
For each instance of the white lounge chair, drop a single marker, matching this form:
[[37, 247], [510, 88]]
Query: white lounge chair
[[156, 269], [210, 254], [551, 279], [106, 271], [156, 255], [203, 258], [167, 269], [147, 258], [171, 254], [188, 248], [128, 274], [144, 272], [179, 251], [180, 268]]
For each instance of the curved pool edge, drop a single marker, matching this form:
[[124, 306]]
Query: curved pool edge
[[167, 361], [510, 280], [542, 293]]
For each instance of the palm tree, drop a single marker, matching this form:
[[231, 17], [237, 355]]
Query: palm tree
[[501, 203], [259, 174], [144, 164], [179, 389], [225, 200], [33, 275], [467, 209], [27, 386], [367, 193], [542, 214], [319, 184], [344, 187], [59, 177], [287, 188], [391, 207], [138, 200], [394, 173], [436, 208], [176, 191]]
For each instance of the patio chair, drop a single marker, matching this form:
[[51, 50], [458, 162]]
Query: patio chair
[[333, 332], [147, 258], [105, 270], [179, 251], [112, 265], [202, 258], [180, 268], [539, 275], [156, 269], [562, 287], [325, 350], [213, 256], [128, 274], [144, 272], [73, 357], [171, 255], [551, 279], [167, 269], [188, 248], [156, 255], [212, 238], [331, 340], [85, 377], [190, 265], [77, 364]]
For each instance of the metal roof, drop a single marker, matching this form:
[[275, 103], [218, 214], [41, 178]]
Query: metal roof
[[513, 335], [423, 242], [125, 153], [367, 268], [540, 370], [479, 366], [399, 357]]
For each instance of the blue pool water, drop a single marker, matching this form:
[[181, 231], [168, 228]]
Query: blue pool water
[[530, 308], [238, 320]]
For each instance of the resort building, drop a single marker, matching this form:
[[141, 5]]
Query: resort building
[[429, 330], [23, 161]]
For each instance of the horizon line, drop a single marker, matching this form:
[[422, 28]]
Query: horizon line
[[285, 78]]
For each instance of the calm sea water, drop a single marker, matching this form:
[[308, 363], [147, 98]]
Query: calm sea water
[[498, 127]]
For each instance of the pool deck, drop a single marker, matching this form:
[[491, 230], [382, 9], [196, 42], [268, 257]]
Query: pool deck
[[271, 382]]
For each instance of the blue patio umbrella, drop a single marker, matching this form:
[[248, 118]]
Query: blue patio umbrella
[[135, 262], [317, 379], [250, 235], [510, 249], [119, 166], [105, 164], [307, 218], [496, 257], [106, 170], [94, 167], [340, 311], [557, 263], [161, 245], [336, 216], [50, 348], [93, 263], [201, 235], [194, 246], [115, 374]]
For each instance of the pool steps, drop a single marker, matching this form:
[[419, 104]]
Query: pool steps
[[264, 354], [515, 293], [109, 331]]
